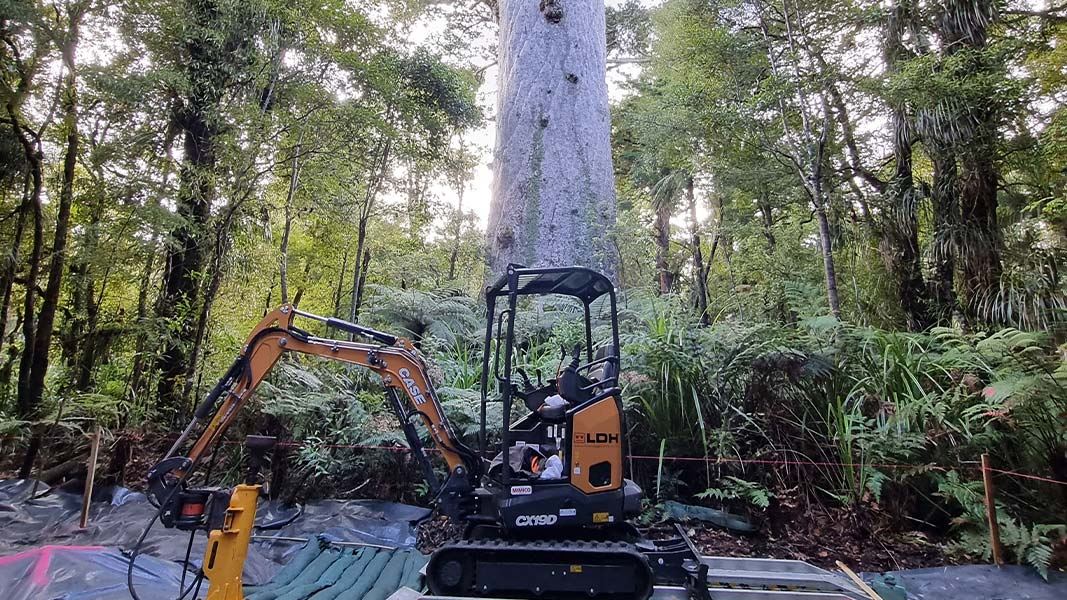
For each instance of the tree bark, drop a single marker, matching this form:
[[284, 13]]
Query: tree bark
[[901, 226], [342, 275], [362, 258], [26, 409], [185, 257], [283, 265], [979, 243], [700, 284], [981, 264], [11, 264], [661, 231], [453, 256], [137, 378], [358, 301], [553, 185], [50, 302], [944, 196]]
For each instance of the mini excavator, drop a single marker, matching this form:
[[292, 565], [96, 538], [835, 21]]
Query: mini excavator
[[525, 536]]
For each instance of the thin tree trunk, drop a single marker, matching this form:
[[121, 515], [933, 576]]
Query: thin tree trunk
[[46, 318], [26, 408], [208, 295], [366, 210], [364, 269], [767, 221], [342, 275], [661, 230], [137, 378], [553, 182], [11, 265], [830, 270], [700, 288], [283, 265], [458, 232], [357, 271]]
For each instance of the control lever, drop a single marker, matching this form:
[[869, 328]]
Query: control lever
[[526, 380]]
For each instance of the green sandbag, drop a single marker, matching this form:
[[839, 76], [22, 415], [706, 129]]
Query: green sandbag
[[367, 579], [331, 575], [687, 512], [352, 574], [299, 592], [288, 573], [389, 580], [317, 567], [412, 577]]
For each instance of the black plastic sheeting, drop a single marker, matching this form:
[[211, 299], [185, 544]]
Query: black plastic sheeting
[[84, 573], [118, 516], [45, 556], [981, 582]]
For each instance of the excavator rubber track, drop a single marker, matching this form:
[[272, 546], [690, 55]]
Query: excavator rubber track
[[556, 570]]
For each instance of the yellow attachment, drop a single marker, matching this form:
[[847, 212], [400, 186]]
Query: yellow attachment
[[227, 548]]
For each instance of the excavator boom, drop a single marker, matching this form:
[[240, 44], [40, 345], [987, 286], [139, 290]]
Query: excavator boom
[[228, 516], [394, 359]]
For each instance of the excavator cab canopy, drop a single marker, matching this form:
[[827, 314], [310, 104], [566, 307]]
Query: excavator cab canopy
[[593, 290], [580, 282]]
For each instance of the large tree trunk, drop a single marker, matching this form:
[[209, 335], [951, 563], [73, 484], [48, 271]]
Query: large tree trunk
[[978, 236], [185, 255], [944, 196], [981, 260], [553, 185], [900, 241], [26, 409]]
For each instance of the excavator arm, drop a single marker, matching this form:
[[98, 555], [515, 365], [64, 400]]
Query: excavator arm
[[395, 360], [229, 515]]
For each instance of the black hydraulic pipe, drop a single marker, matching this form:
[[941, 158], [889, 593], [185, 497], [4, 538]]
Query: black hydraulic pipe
[[414, 442], [207, 407], [588, 335], [490, 309], [509, 344], [367, 332]]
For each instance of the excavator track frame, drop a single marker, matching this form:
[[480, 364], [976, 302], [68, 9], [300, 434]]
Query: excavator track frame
[[550, 569]]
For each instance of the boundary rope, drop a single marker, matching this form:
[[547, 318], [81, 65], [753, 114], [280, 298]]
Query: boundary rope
[[665, 458]]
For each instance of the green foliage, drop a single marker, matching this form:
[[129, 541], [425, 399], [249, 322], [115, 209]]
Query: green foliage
[[734, 488]]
